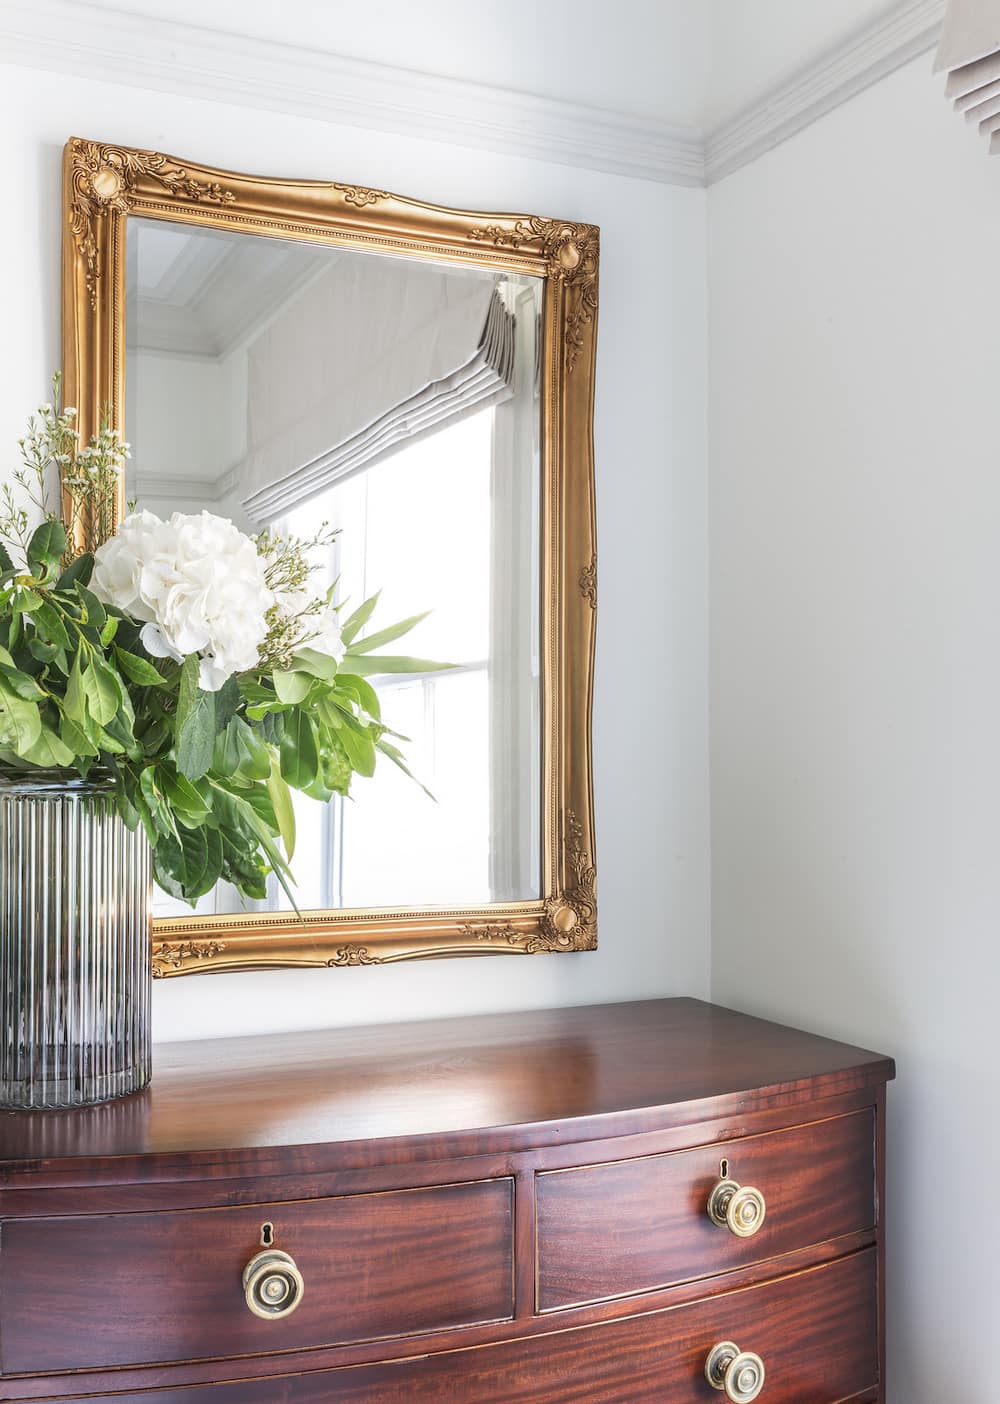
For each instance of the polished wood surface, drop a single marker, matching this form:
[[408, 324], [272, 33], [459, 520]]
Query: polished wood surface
[[814, 1331], [638, 1224], [463, 1084], [511, 1208], [170, 1287]]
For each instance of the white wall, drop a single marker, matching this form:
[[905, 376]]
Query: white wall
[[854, 279], [651, 704]]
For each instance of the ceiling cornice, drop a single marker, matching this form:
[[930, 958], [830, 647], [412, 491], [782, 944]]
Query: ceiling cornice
[[106, 44], [92, 41], [840, 73]]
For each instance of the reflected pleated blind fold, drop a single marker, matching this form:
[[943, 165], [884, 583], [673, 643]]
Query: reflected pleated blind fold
[[969, 52], [373, 354]]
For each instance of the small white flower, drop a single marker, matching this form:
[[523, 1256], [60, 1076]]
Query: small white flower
[[69, 412]]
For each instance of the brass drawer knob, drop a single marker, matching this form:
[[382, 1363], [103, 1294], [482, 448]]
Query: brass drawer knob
[[273, 1284], [739, 1373], [739, 1208]]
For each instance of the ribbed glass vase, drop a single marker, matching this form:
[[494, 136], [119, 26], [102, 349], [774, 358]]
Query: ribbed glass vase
[[75, 974]]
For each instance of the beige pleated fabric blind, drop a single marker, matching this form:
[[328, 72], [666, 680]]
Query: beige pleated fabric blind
[[969, 52], [376, 352]]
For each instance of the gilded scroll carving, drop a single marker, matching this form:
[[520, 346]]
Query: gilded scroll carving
[[103, 180], [588, 582], [175, 955], [572, 252], [361, 196], [353, 955]]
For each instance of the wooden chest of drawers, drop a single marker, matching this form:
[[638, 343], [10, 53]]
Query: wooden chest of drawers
[[470, 1211]]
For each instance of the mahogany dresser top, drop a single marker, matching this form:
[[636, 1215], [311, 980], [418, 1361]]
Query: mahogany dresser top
[[454, 1086]]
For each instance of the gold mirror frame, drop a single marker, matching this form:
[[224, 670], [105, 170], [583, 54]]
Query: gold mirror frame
[[102, 186]]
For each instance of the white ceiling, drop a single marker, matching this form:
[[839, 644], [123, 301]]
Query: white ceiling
[[690, 62]]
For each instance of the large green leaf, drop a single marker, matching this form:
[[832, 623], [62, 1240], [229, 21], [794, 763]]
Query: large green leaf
[[196, 723], [20, 721], [102, 691], [79, 570], [284, 812], [7, 566], [49, 751], [298, 750], [388, 635], [291, 687], [46, 547], [389, 663], [138, 670], [352, 626], [49, 624]]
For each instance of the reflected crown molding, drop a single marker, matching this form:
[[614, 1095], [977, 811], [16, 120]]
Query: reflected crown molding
[[97, 42]]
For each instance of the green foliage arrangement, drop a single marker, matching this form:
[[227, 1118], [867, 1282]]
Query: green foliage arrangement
[[190, 664]]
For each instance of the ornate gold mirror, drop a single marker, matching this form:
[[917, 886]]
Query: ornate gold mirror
[[289, 352]]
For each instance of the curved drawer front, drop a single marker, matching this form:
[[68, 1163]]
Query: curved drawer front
[[615, 1229], [814, 1332], [130, 1289]]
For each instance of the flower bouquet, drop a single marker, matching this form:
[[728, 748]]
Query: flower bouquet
[[163, 688], [193, 665]]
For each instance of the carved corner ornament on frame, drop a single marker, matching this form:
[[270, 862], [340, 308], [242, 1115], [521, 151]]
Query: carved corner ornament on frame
[[106, 184]]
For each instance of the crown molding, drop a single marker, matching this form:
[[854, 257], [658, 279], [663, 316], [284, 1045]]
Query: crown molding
[[97, 42], [106, 44], [872, 53]]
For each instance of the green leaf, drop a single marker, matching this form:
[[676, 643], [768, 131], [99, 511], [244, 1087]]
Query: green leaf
[[239, 750], [110, 629], [138, 670], [389, 663], [49, 624], [363, 691], [102, 691], [360, 751], [384, 636], [75, 701], [284, 812], [227, 703], [291, 687], [76, 738], [48, 751], [79, 570], [196, 723], [94, 612], [319, 665], [7, 566], [20, 721], [25, 600], [21, 683], [47, 544], [298, 750], [357, 621]]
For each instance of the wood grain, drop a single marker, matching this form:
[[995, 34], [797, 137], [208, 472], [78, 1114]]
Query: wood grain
[[637, 1224], [369, 1096], [815, 1332], [166, 1287]]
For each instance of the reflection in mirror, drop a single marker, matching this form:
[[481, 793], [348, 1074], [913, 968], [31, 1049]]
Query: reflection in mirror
[[287, 384]]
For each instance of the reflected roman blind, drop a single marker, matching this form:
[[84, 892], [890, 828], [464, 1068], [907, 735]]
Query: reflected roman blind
[[372, 353], [969, 52]]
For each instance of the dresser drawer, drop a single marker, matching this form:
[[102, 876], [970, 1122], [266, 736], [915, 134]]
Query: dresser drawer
[[128, 1289], [814, 1332], [615, 1229]]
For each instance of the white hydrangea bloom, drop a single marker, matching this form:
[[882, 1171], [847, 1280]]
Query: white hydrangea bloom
[[197, 583]]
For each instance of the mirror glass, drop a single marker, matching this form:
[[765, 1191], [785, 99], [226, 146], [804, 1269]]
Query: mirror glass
[[286, 385]]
